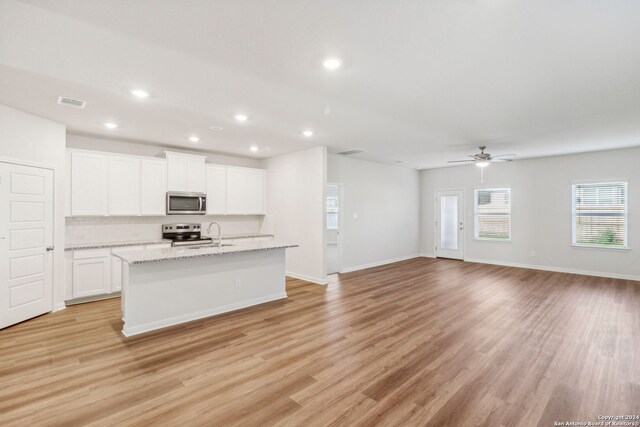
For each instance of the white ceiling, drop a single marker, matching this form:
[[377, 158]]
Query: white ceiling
[[422, 81]]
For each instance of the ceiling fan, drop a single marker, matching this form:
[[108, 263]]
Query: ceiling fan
[[483, 159]]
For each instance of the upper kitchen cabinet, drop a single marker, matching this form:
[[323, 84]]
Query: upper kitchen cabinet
[[246, 191], [186, 172], [153, 183], [105, 184], [89, 174], [124, 185], [216, 190]]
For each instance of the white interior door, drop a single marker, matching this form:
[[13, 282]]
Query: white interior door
[[449, 224], [26, 242]]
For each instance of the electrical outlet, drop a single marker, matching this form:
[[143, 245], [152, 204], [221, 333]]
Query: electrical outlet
[[534, 253], [238, 284]]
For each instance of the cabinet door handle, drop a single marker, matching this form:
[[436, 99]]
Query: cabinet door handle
[[49, 248]]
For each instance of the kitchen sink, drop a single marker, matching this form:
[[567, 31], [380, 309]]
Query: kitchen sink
[[209, 246]]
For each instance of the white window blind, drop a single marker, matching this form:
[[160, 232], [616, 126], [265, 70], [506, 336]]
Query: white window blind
[[600, 214], [492, 213]]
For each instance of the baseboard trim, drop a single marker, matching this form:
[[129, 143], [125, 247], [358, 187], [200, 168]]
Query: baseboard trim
[[177, 320], [93, 298], [426, 255], [556, 269], [379, 263], [316, 280]]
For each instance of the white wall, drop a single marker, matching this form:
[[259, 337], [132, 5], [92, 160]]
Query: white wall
[[296, 185], [541, 211], [80, 230], [29, 138], [386, 201], [149, 150]]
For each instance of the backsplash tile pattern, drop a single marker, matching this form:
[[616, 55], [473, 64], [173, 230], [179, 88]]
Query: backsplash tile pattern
[[101, 229]]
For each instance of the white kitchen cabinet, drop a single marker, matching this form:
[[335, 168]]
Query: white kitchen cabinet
[[153, 184], [246, 191], [97, 272], [89, 184], [216, 190], [68, 275], [186, 172], [67, 187], [124, 185], [91, 272]]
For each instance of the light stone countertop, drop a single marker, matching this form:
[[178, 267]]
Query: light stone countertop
[[121, 243], [113, 244], [166, 254]]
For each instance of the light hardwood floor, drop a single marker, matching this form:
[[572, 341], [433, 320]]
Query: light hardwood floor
[[420, 342]]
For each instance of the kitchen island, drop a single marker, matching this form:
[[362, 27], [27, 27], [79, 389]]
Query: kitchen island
[[169, 286]]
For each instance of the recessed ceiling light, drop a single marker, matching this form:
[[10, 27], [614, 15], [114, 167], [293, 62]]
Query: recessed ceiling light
[[139, 93], [215, 128], [332, 63], [307, 133], [253, 148], [110, 125], [194, 138], [241, 117]]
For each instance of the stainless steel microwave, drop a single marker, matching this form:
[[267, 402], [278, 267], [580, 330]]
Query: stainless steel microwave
[[182, 203]]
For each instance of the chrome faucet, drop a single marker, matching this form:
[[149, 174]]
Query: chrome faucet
[[219, 232]]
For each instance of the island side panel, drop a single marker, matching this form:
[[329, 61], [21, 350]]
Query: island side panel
[[165, 293]]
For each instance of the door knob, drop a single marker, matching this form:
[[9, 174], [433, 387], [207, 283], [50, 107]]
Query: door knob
[[49, 248]]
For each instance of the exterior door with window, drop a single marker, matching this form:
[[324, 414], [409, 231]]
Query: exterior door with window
[[449, 224]]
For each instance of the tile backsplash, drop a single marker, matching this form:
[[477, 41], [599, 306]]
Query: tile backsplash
[[106, 229]]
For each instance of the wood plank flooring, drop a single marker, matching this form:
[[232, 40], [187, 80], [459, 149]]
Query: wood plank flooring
[[420, 342]]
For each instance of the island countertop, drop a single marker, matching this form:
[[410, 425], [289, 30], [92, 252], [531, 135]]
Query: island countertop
[[166, 254]]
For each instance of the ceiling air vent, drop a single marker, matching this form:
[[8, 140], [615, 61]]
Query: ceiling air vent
[[350, 152], [70, 102]]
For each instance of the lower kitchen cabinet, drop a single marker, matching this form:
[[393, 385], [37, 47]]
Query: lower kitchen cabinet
[[97, 272], [91, 272]]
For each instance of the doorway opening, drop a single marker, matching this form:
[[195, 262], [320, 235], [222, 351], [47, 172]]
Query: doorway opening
[[333, 238]]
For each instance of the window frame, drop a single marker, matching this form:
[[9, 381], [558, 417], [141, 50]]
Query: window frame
[[475, 215], [596, 246]]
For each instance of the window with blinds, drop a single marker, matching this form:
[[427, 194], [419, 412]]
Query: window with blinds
[[600, 214], [492, 213]]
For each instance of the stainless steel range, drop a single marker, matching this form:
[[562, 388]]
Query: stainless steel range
[[185, 234]]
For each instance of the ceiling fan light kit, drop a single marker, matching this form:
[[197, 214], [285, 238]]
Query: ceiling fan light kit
[[482, 159]]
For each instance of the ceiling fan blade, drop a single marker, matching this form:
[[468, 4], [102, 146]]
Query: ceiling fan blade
[[460, 161], [494, 160], [503, 155]]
